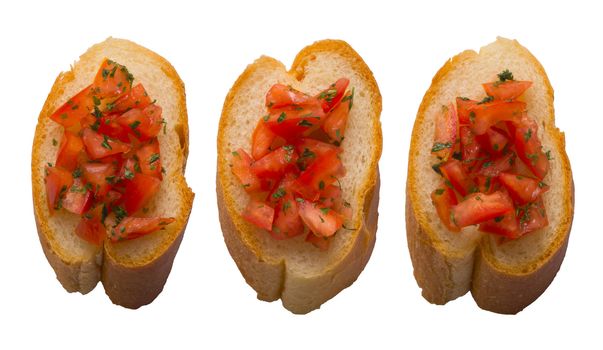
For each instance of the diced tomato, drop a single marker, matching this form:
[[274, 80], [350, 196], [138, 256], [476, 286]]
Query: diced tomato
[[463, 106], [505, 225], [275, 163], [71, 146], [112, 81], [319, 242], [261, 140], [149, 158], [335, 123], [529, 148], [532, 217], [495, 166], [309, 150], [77, 198], [139, 191], [507, 90], [287, 222], [454, 172], [446, 129], [100, 146], [58, 182], [333, 94], [259, 213], [480, 207], [99, 176], [142, 123], [494, 140], [241, 167], [523, 189], [292, 123], [281, 95], [132, 227], [488, 114], [90, 227], [322, 221], [443, 199], [331, 197], [136, 98], [111, 198], [470, 148], [74, 109], [108, 126], [320, 174], [487, 184]]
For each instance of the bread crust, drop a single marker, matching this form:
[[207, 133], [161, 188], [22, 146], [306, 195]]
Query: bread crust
[[127, 283], [268, 276], [444, 274]]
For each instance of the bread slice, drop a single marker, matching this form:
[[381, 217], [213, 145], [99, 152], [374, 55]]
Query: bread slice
[[302, 276], [503, 278], [133, 272]]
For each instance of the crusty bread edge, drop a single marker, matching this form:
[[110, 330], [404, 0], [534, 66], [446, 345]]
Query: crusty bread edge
[[128, 285], [442, 274], [268, 276]]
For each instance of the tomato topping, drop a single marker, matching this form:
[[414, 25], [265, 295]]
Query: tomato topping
[[262, 140], [71, 146], [493, 169], [259, 214], [133, 227], [294, 122], [58, 182], [453, 171], [320, 174], [281, 95], [507, 90], [241, 167], [446, 129], [523, 189], [335, 124], [109, 158], [333, 95], [323, 222], [484, 115], [309, 150], [287, 222], [319, 242], [443, 199], [275, 163]]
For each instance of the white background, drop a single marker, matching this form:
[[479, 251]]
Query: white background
[[206, 303]]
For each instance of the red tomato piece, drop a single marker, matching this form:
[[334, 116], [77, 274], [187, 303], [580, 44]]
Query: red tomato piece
[[319, 242], [287, 222], [532, 217], [100, 146], [111, 81], [529, 147], [58, 181], [259, 213], [108, 126], [309, 150], [335, 122], [331, 97], [323, 222], [132, 227], [505, 225], [74, 109], [261, 140], [484, 115], [275, 163], [100, 176], [494, 166], [487, 184], [494, 140], [241, 168], [139, 191], [280, 96], [463, 105], [470, 148], [90, 227], [523, 189], [320, 174], [480, 207], [292, 123], [136, 98], [507, 90], [454, 172], [446, 129], [71, 146], [149, 158], [142, 123], [444, 199], [77, 198]]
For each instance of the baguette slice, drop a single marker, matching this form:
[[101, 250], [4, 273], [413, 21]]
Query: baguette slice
[[303, 276], [132, 272], [503, 278]]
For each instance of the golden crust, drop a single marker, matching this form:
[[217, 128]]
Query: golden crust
[[494, 286], [82, 275], [264, 273]]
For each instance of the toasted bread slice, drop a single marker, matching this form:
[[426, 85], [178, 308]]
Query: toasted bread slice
[[133, 272], [302, 276], [503, 278]]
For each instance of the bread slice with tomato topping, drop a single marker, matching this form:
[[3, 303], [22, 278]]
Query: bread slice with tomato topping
[[507, 276], [133, 272], [300, 274]]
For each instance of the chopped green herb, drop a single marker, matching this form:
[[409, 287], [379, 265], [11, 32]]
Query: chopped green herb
[[486, 100], [505, 75], [54, 142], [281, 117], [77, 173], [280, 193], [305, 123], [134, 124], [154, 157], [128, 174], [105, 142], [96, 100], [321, 185], [527, 135], [439, 191], [499, 218], [438, 146]]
